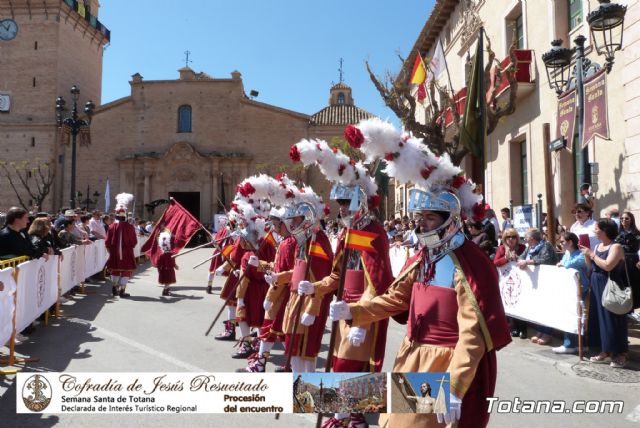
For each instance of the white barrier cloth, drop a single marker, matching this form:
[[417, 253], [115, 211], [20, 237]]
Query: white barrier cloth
[[154, 393], [69, 277], [7, 290], [545, 295], [37, 289]]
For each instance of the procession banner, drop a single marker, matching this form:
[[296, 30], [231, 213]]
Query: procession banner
[[546, 295], [524, 218], [37, 289], [68, 269], [566, 119], [7, 306], [154, 393], [596, 120]]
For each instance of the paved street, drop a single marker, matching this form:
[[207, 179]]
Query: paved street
[[148, 333]]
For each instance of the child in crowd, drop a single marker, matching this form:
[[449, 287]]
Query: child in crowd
[[166, 263]]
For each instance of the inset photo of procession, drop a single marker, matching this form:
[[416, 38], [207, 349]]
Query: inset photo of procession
[[420, 392], [340, 393]]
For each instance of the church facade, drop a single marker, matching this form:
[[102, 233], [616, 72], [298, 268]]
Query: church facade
[[193, 138]]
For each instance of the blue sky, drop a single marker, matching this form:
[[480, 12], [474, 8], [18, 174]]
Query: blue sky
[[288, 50]]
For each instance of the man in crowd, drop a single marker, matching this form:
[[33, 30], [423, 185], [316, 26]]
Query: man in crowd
[[96, 226], [14, 241]]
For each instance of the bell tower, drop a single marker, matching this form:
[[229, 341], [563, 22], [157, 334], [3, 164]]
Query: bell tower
[[56, 44]]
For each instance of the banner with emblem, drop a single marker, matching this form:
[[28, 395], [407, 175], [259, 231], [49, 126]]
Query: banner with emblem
[[7, 307], [69, 277], [547, 295], [596, 120], [567, 117], [37, 289]]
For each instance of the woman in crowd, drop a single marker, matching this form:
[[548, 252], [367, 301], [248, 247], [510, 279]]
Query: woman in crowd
[[538, 252], [608, 261], [509, 251], [572, 259], [38, 232], [629, 238], [478, 236], [84, 226]]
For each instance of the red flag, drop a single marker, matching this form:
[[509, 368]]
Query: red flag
[[179, 222]]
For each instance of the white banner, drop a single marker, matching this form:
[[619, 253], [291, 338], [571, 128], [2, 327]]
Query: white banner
[[37, 289], [546, 295], [7, 291], [141, 241], [154, 393], [68, 272]]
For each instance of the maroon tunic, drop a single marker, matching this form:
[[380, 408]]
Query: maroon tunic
[[166, 268], [378, 268], [285, 256], [121, 241], [308, 343], [256, 291], [232, 280]]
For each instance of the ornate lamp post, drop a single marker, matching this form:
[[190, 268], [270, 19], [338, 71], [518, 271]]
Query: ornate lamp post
[[557, 61], [74, 124], [88, 201]]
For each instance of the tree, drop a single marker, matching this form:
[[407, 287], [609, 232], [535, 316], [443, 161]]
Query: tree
[[396, 91], [36, 179]]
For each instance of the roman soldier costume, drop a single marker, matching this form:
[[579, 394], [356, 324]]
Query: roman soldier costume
[[120, 242]]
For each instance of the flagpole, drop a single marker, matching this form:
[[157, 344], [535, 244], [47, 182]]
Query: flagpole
[[446, 67], [335, 324], [483, 110]]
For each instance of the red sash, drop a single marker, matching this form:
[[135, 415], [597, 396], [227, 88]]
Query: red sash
[[433, 315]]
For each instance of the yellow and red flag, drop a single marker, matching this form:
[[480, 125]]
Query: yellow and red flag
[[419, 72], [227, 250], [316, 250], [271, 240], [360, 240]]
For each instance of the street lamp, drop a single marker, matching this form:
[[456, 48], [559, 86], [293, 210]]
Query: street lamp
[[557, 60], [88, 201], [74, 124]]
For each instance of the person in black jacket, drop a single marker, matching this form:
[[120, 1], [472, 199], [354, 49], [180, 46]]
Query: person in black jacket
[[13, 239], [39, 234]]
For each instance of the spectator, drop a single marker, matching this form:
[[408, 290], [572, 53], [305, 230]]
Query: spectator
[[13, 239], [96, 226], [505, 213], [39, 231], [538, 252], [509, 251], [614, 215], [140, 228], [572, 259], [629, 238], [68, 237], [106, 222], [584, 225], [586, 197], [84, 226], [607, 261], [149, 227], [478, 235], [65, 214], [488, 249]]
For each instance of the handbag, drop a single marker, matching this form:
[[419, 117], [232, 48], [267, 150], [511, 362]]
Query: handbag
[[616, 299]]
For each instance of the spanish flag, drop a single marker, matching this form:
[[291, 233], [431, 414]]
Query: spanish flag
[[360, 240], [317, 251], [419, 73], [226, 251], [271, 240]]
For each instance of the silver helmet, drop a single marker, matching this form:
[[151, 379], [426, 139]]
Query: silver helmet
[[357, 197], [447, 236], [302, 230]]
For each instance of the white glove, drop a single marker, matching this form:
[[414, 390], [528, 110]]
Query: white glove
[[267, 304], [305, 287], [237, 273], [270, 278], [220, 270], [356, 336], [453, 415], [307, 319], [339, 311], [240, 303], [253, 261]]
